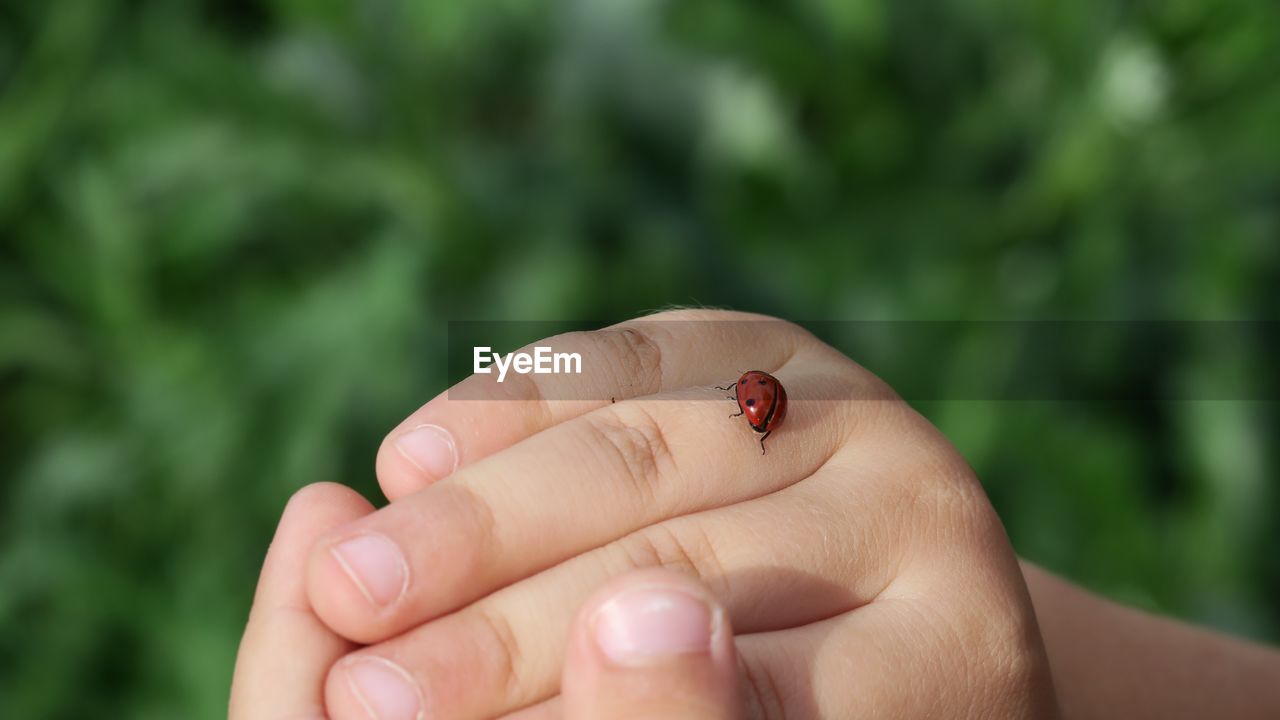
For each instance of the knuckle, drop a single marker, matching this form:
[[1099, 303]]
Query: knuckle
[[1016, 664], [760, 695], [521, 387], [504, 657], [664, 546], [471, 522], [637, 552], [637, 356], [966, 513], [516, 387], [947, 491], [636, 446], [478, 512], [1003, 680]]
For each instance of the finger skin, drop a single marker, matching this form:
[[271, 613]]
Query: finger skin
[[594, 479], [286, 651], [550, 709], [806, 553], [682, 679], [916, 624], [650, 355]]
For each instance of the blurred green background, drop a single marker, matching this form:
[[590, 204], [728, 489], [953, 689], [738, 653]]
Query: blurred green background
[[231, 235]]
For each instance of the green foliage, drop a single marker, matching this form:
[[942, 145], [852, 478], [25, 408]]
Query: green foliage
[[231, 234]]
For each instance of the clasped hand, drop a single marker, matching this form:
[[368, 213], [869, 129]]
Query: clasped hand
[[548, 553]]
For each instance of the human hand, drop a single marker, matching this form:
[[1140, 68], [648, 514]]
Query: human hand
[[286, 651], [651, 643], [859, 559]]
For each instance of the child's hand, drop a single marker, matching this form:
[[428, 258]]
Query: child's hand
[[862, 566], [651, 643], [286, 651]]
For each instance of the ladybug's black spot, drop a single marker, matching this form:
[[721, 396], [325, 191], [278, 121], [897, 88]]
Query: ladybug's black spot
[[763, 381], [751, 402], [744, 381]]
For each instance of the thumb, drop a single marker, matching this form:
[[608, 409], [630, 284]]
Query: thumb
[[651, 644]]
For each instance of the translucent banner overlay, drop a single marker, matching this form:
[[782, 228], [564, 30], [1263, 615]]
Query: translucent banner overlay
[[1089, 361]]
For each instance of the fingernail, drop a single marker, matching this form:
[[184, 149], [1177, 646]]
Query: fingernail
[[431, 448], [376, 566], [648, 623], [384, 689]]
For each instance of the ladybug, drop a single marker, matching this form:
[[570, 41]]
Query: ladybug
[[762, 399]]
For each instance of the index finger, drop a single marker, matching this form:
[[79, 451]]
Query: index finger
[[646, 356]]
